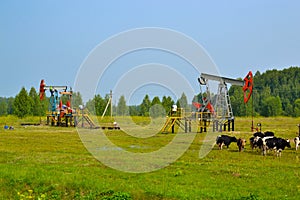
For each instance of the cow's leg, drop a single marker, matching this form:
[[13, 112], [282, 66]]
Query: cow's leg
[[264, 150], [279, 153], [275, 151], [222, 144]]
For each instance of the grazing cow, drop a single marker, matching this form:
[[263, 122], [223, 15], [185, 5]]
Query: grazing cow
[[297, 142], [254, 142], [241, 144], [259, 134], [265, 134], [258, 142], [268, 134], [225, 140], [278, 144], [256, 139]]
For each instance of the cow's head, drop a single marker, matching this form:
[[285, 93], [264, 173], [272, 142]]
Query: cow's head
[[288, 143], [241, 143], [233, 139]]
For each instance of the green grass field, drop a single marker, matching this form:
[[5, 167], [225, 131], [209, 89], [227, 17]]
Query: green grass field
[[42, 162]]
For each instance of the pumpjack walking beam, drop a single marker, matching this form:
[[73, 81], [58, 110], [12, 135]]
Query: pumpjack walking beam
[[205, 77]]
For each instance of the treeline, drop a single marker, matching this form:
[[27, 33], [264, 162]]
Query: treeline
[[29, 104], [155, 107], [23, 104], [275, 93]]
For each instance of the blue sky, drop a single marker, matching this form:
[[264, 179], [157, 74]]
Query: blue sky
[[50, 39]]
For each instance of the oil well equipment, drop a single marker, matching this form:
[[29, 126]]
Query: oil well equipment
[[212, 110]]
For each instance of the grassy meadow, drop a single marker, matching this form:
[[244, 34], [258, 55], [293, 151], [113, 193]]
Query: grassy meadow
[[42, 162]]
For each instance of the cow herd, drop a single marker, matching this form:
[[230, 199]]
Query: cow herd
[[266, 141]]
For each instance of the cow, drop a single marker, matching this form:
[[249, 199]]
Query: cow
[[241, 144], [256, 136], [253, 142], [225, 140], [259, 134], [268, 134], [297, 142], [258, 142], [265, 134], [278, 144]]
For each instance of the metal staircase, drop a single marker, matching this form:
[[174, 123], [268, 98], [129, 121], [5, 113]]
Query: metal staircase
[[89, 120]]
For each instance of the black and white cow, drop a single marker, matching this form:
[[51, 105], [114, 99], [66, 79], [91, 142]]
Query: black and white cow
[[225, 140], [253, 142], [269, 134], [256, 136], [265, 134], [259, 134], [297, 142], [277, 144]]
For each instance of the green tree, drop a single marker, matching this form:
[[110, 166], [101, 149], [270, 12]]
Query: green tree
[[22, 104], [99, 105], [297, 108], [96, 105], [76, 99], [10, 105], [271, 106], [134, 110], [157, 110], [145, 106], [167, 103], [282, 83], [182, 102], [3, 106], [90, 105], [122, 108], [36, 105], [237, 102], [289, 110]]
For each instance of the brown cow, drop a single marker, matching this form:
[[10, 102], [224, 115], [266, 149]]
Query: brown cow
[[241, 144]]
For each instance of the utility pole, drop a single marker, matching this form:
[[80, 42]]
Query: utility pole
[[111, 110], [109, 102]]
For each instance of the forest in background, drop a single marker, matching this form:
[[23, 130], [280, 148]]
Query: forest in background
[[275, 93]]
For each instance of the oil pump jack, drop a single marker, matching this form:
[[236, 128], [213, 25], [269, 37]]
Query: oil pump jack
[[222, 114], [61, 115]]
